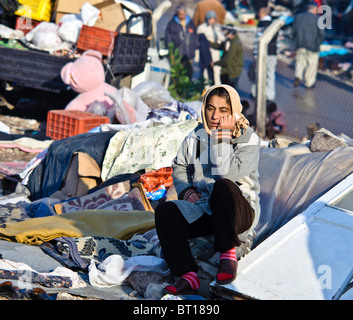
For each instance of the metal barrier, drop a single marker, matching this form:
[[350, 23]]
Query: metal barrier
[[264, 40]]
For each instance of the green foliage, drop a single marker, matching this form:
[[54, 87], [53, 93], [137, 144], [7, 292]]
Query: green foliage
[[181, 87]]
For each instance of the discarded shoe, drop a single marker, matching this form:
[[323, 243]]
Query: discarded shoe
[[40, 294], [227, 271], [8, 291]]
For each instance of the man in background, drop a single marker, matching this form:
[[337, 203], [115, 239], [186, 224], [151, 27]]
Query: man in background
[[231, 61], [307, 38], [181, 31]]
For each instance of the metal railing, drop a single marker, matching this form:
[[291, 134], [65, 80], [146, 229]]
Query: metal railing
[[261, 66]]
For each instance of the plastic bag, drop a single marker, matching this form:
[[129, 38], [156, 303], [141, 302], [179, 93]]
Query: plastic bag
[[129, 107], [45, 36], [8, 33], [69, 27], [196, 106], [89, 14], [158, 194], [153, 180], [154, 91], [70, 24], [110, 272]]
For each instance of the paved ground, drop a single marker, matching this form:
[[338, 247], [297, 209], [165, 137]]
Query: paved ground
[[329, 103]]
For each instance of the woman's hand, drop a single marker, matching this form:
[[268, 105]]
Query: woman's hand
[[227, 122], [192, 196]]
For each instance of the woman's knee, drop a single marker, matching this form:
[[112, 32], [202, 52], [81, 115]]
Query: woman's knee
[[165, 211], [225, 184]]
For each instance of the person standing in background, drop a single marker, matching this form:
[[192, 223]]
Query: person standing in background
[[206, 5], [307, 37], [213, 34], [205, 59], [181, 31], [232, 59]]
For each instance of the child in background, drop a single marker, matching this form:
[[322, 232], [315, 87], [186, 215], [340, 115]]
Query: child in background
[[276, 121]]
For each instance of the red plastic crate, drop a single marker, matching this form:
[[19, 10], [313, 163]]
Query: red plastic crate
[[66, 123], [96, 39]]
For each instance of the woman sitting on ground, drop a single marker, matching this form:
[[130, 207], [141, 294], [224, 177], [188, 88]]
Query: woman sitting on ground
[[215, 174]]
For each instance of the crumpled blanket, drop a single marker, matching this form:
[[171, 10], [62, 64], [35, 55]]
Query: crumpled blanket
[[26, 144], [105, 223], [77, 253], [48, 176], [151, 148], [114, 197], [11, 168], [175, 110], [13, 212]]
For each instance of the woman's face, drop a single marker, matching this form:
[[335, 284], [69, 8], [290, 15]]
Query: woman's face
[[216, 108]]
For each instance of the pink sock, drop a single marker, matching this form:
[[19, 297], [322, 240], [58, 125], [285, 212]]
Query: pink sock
[[230, 254], [193, 279]]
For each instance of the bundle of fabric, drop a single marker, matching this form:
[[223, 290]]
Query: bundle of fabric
[[77, 253], [58, 278], [104, 223], [114, 197], [176, 111]]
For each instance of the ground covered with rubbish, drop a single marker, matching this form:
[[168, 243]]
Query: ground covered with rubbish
[[76, 263], [290, 172], [21, 117]]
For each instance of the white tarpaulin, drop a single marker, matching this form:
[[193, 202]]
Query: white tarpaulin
[[293, 178]]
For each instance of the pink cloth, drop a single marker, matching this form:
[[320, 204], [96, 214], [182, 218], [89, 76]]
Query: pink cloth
[[86, 76], [278, 119]]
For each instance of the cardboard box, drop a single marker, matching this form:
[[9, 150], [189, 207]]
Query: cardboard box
[[73, 6], [70, 6], [111, 16]]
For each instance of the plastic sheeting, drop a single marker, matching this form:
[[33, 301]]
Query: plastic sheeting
[[294, 177]]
